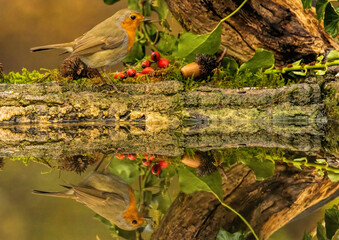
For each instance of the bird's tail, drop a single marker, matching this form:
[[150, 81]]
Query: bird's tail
[[66, 46], [65, 194]]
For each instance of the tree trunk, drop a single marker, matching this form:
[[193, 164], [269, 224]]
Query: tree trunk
[[282, 26], [267, 205]]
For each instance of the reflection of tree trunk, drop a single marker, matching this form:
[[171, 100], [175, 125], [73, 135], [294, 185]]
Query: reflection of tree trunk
[[278, 25], [267, 205]]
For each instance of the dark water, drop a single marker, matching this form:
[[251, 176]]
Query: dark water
[[280, 177]]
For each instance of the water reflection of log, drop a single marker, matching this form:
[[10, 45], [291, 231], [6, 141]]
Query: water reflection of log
[[60, 140], [267, 205]]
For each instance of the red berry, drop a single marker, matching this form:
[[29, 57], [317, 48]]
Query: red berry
[[146, 63], [131, 72], [120, 156], [120, 75], [149, 157], [156, 169], [132, 157], [146, 162], [147, 70], [163, 164], [155, 56], [139, 74], [163, 63]]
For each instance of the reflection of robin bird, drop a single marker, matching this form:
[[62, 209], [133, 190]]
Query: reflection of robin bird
[[105, 44], [107, 195]]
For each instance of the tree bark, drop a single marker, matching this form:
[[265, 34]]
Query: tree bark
[[267, 205], [281, 26]]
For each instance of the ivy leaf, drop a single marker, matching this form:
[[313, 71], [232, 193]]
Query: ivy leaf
[[320, 8], [307, 4], [134, 4], [262, 168], [333, 55], [136, 53], [190, 44], [160, 7], [190, 183], [262, 59], [110, 2], [126, 170], [224, 235], [334, 177], [167, 43], [331, 221], [321, 235], [331, 21]]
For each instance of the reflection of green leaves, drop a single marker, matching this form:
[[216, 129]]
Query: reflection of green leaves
[[331, 20], [331, 221], [262, 59], [190, 44], [190, 183], [110, 2], [125, 169], [307, 3], [224, 235], [261, 167], [333, 55]]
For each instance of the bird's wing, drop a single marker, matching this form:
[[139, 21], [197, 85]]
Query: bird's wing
[[92, 196], [89, 45]]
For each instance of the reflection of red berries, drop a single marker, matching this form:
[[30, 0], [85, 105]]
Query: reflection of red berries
[[147, 70], [163, 63], [120, 156], [156, 169], [132, 157], [146, 63], [146, 162], [164, 164], [120, 75], [149, 157], [155, 56], [131, 72]]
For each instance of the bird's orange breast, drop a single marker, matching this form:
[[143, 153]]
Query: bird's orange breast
[[130, 30]]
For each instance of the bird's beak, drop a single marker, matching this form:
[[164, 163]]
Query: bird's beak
[[146, 20]]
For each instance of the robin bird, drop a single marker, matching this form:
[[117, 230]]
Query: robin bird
[[106, 194], [106, 44]]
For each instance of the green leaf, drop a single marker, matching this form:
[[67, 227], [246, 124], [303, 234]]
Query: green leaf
[[307, 4], [190, 183], [331, 20], [320, 8], [136, 53], [321, 235], [134, 4], [307, 237], [333, 55], [262, 168], [151, 30], [125, 169], [336, 235], [160, 7], [167, 43], [262, 59], [331, 221], [110, 2], [230, 65], [224, 235], [190, 44], [334, 177]]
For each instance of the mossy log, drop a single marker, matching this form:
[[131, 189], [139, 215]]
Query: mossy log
[[164, 103], [282, 26], [267, 205]]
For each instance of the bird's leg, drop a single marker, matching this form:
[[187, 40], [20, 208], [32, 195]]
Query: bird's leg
[[109, 80]]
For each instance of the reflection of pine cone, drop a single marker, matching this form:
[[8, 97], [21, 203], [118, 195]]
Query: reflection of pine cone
[[76, 69], [206, 164], [77, 163], [1, 71], [2, 163]]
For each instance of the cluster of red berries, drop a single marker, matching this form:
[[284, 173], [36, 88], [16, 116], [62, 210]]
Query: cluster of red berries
[[146, 65], [147, 161]]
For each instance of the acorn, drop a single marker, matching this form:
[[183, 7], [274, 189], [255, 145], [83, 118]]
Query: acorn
[[201, 68], [77, 163], [75, 69]]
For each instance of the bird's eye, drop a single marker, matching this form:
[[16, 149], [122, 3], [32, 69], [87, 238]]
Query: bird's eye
[[134, 222], [133, 17]]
